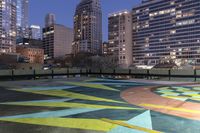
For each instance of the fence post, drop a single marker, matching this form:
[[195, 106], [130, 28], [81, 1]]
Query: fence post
[[114, 72], [129, 72], [195, 75], [34, 74], [52, 74], [148, 74], [169, 74], [67, 72], [90, 72], [12, 72], [81, 72], [100, 73]]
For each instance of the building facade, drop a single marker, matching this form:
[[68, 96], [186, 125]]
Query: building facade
[[22, 19], [119, 36], [35, 32], [50, 19], [33, 54], [88, 27], [7, 26], [31, 42], [166, 29], [104, 48], [57, 41]]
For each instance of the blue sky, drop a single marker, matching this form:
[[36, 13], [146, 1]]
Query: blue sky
[[64, 10]]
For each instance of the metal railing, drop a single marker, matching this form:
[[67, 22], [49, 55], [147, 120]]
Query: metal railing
[[138, 73]]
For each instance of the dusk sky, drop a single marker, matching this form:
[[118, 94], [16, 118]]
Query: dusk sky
[[64, 11]]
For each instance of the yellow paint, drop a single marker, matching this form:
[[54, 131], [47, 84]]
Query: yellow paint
[[190, 91], [163, 88], [182, 89], [95, 86], [68, 94], [182, 97], [194, 95], [92, 79], [130, 126], [76, 123], [174, 97], [196, 99], [170, 108], [69, 104]]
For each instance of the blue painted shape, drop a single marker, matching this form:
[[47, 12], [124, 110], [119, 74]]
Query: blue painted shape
[[38, 101], [119, 83], [49, 88], [112, 80], [53, 114], [142, 120], [52, 100]]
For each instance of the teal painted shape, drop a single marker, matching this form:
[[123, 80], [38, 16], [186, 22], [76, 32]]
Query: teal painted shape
[[142, 120], [163, 91], [53, 114], [188, 93], [49, 88], [196, 88]]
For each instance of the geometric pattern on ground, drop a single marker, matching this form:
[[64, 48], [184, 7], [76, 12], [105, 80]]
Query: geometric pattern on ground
[[89, 106], [180, 93]]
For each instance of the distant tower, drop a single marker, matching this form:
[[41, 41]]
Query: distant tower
[[88, 27], [7, 26], [35, 32], [50, 19], [22, 19]]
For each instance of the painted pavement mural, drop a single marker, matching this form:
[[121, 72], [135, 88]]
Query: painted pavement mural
[[98, 106]]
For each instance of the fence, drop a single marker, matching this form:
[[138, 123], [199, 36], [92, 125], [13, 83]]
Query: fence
[[141, 73]]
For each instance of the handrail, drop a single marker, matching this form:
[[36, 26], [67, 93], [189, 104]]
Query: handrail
[[15, 74]]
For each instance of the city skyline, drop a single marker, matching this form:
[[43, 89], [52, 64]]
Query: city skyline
[[64, 12]]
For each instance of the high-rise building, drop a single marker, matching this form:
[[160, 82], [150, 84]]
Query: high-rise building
[[166, 29], [88, 27], [7, 26], [57, 41], [104, 48], [50, 19], [120, 39], [22, 19], [35, 32]]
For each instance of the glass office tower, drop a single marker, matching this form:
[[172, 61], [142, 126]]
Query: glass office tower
[[166, 29], [22, 19], [7, 26]]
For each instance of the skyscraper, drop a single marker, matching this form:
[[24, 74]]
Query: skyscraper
[[88, 27], [22, 19], [35, 32], [7, 26], [166, 29], [120, 44], [50, 19]]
